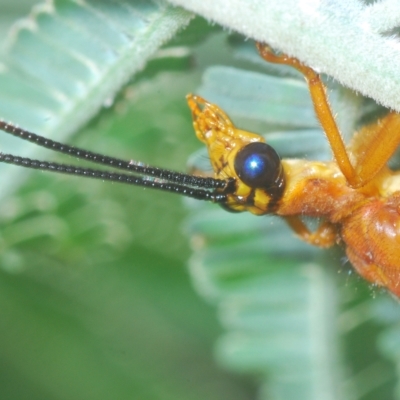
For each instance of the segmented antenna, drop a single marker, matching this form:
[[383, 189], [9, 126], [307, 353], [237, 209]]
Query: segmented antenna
[[156, 178], [133, 166]]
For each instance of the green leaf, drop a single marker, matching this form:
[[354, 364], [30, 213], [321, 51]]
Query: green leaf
[[71, 58], [95, 298], [68, 59], [96, 301], [322, 35]]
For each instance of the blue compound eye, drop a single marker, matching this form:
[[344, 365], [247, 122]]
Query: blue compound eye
[[259, 166]]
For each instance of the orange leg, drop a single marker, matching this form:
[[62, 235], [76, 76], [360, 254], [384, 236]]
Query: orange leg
[[375, 145], [376, 152], [324, 236]]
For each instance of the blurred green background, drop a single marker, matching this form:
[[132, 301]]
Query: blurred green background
[[96, 297]]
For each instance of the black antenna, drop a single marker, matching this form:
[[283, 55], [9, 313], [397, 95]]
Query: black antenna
[[156, 178], [133, 166]]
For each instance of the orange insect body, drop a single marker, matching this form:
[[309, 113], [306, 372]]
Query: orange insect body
[[356, 195]]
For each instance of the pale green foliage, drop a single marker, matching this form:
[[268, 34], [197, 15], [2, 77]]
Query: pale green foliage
[[355, 41], [95, 299]]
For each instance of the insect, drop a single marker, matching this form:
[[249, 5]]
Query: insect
[[356, 196]]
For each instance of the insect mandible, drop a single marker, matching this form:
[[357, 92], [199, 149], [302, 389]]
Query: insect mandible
[[356, 196]]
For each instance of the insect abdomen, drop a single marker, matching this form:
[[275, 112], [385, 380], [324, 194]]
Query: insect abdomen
[[372, 236]]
